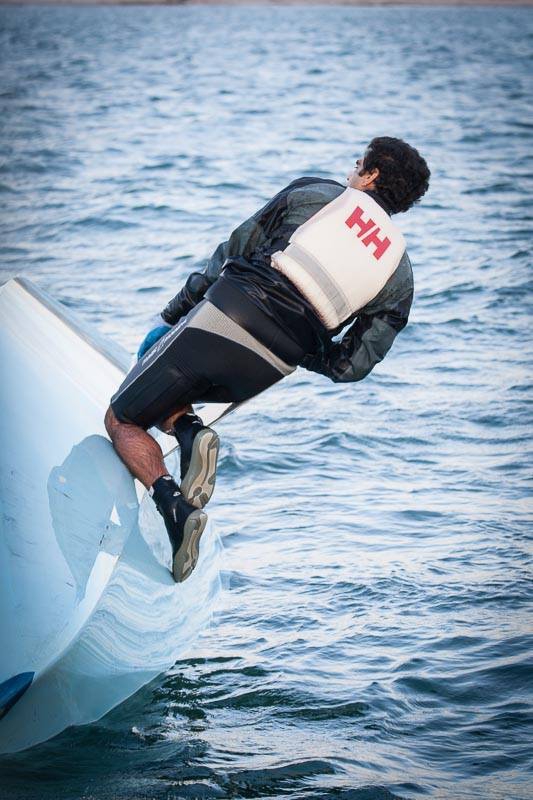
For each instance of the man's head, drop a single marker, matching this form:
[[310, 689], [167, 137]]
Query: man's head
[[394, 170]]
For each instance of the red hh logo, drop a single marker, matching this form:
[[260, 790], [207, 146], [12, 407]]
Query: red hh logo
[[365, 227]]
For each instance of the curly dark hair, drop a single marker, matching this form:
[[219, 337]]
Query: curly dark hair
[[403, 174]]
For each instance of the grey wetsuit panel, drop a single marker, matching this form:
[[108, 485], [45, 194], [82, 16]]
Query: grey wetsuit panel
[[206, 357]]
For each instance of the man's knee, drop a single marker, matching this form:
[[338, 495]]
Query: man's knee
[[111, 422]]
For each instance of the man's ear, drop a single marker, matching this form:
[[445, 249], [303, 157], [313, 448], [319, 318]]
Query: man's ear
[[369, 178]]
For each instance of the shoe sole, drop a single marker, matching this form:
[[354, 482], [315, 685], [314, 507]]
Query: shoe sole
[[199, 482], [185, 559]]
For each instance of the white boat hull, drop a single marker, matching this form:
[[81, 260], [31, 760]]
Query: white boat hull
[[88, 609]]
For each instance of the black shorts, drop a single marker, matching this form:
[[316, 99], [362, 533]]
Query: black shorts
[[208, 356]]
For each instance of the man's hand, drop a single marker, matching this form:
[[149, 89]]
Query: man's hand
[[152, 337]]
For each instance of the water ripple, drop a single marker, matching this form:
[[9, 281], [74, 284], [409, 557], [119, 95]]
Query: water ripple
[[373, 639]]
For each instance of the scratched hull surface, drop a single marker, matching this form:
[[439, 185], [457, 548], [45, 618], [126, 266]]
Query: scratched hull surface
[[88, 607], [375, 639]]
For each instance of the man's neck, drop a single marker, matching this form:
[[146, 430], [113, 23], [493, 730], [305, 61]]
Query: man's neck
[[379, 200]]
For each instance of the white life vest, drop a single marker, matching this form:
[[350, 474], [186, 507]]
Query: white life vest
[[343, 256]]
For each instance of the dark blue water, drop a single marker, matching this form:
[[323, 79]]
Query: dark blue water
[[374, 639]]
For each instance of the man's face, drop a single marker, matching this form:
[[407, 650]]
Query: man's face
[[359, 179], [354, 178]]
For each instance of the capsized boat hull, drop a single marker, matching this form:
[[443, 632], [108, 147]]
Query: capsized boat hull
[[88, 609]]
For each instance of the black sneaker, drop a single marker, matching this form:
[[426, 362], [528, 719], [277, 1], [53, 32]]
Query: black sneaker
[[199, 447], [185, 525]]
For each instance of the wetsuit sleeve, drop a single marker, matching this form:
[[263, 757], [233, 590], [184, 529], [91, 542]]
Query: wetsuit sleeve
[[198, 283], [365, 344], [269, 227], [242, 241]]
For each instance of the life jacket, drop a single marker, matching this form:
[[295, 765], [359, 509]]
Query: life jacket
[[343, 256]]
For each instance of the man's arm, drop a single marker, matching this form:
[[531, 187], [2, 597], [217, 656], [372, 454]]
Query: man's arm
[[292, 206], [198, 283], [364, 345], [242, 241]]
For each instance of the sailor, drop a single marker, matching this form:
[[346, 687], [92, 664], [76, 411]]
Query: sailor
[[318, 257]]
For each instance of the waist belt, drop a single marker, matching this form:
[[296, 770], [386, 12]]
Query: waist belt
[[238, 307]]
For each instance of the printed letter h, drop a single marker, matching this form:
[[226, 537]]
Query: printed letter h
[[356, 218], [380, 244]]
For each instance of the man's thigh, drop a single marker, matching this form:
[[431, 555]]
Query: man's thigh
[[205, 358]]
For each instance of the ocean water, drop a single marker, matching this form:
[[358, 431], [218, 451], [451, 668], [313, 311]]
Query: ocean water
[[373, 640]]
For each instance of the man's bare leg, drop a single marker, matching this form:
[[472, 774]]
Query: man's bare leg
[[138, 450], [144, 458]]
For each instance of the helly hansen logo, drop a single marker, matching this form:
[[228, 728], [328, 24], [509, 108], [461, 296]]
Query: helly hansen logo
[[370, 231]]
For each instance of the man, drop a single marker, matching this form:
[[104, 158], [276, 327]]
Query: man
[[318, 257]]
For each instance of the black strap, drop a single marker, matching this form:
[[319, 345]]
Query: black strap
[[238, 307]]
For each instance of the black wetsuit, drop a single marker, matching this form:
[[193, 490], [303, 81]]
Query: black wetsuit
[[245, 261], [194, 363]]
